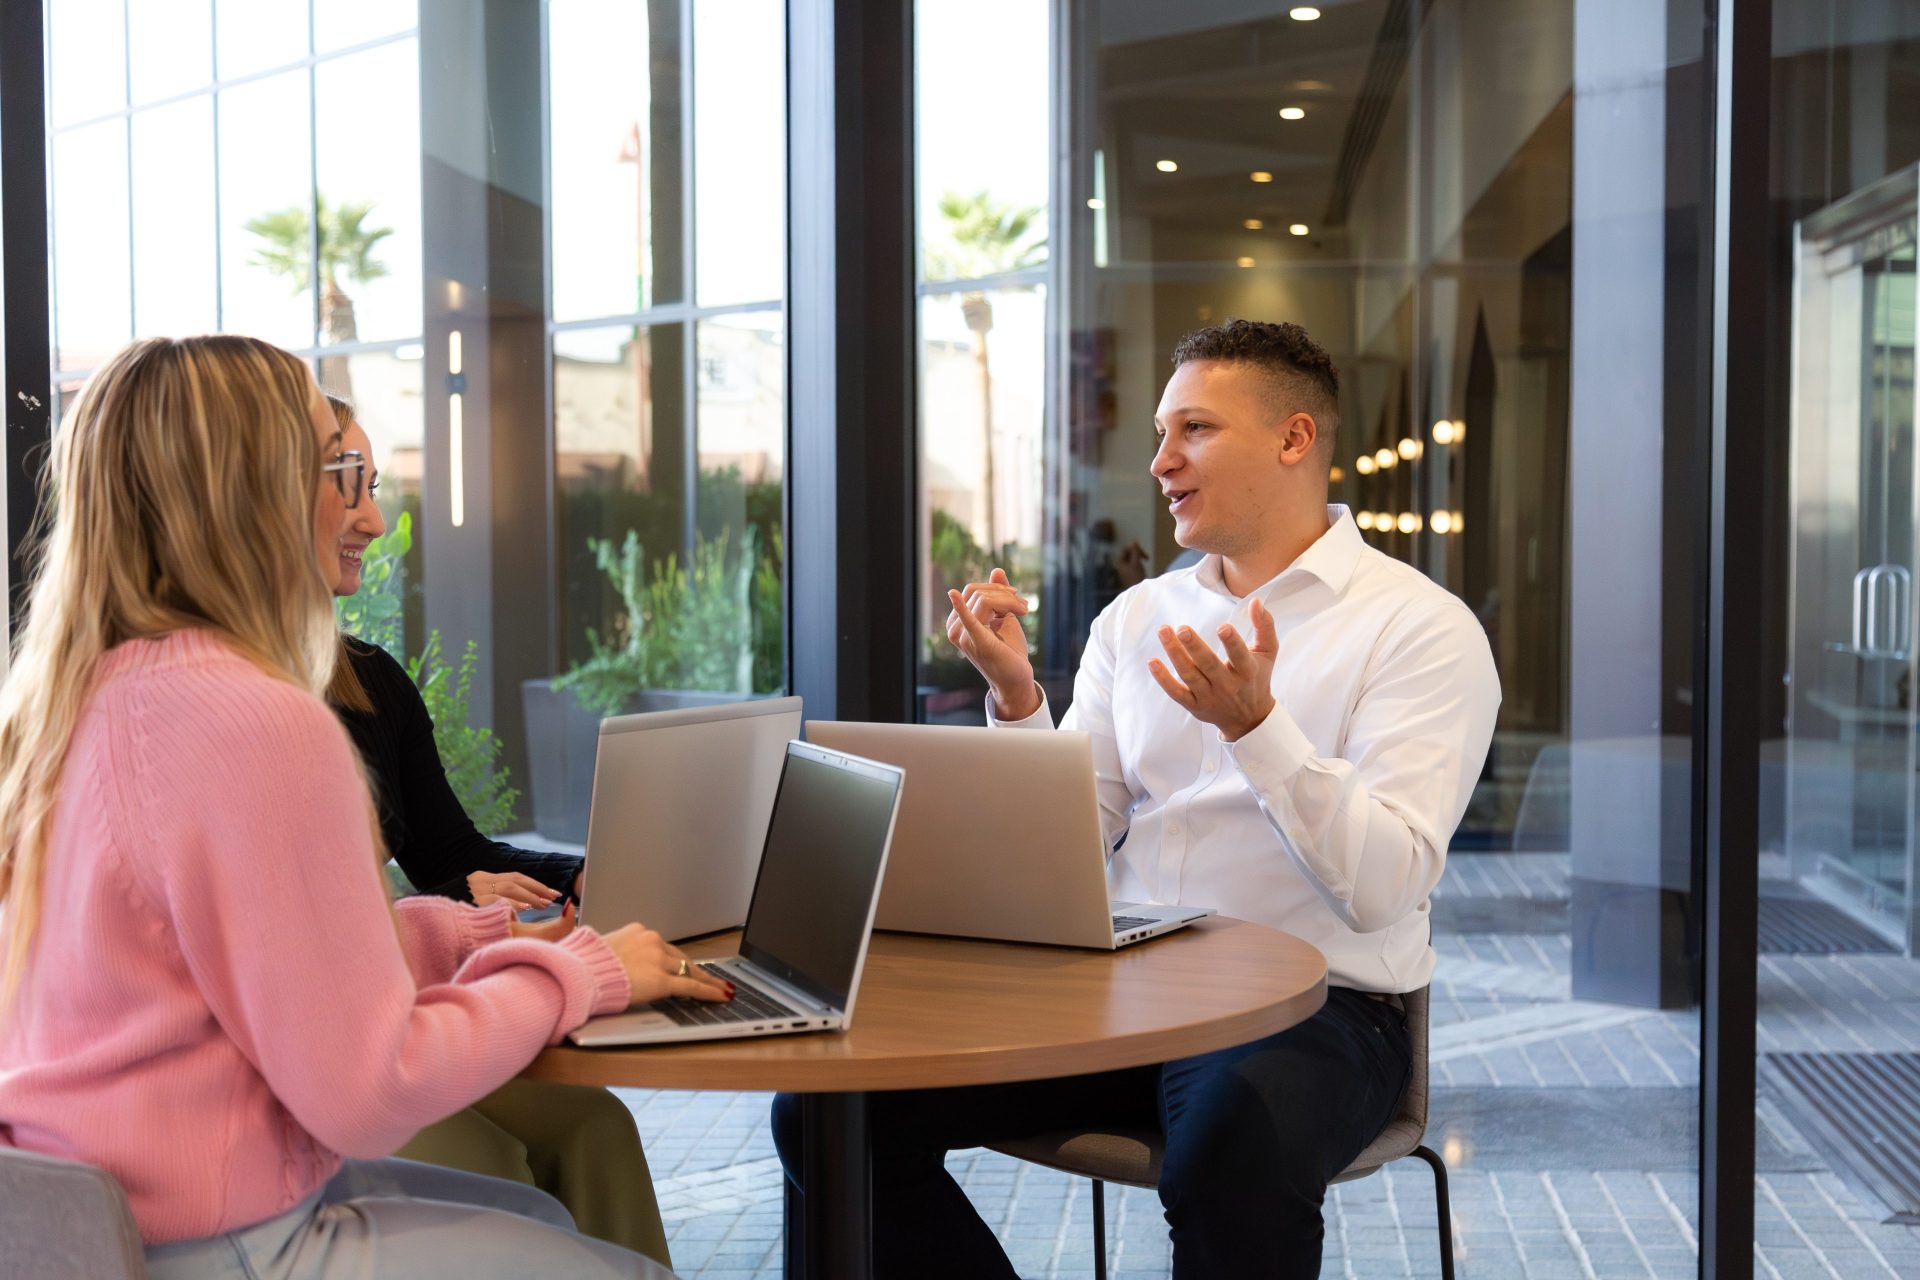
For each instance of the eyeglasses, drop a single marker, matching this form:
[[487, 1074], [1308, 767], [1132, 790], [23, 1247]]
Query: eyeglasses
[[352, 464]]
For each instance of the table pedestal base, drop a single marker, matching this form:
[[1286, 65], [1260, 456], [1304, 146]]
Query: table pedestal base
[[830, 1232]]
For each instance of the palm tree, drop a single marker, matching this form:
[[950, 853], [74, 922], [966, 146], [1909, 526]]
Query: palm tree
[[346, 251], [987, 238]]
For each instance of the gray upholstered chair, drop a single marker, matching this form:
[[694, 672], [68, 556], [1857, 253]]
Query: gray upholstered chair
[[59, 1219], [1132, 1157]]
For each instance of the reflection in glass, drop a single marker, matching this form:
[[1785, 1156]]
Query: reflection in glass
[[337, 24], [86, 64], [260, 34], [369, 172], [170, 47], [266, 190], [93, 309], [175, 261], [615, 149], [740, 202]]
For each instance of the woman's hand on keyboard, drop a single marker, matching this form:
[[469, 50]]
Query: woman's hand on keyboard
[[654, 967]]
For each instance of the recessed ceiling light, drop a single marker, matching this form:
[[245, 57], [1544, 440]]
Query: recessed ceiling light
[[1253, 224], [1311, 86], [1166, 166], [1298, 229], [1096, 203], [1305, 13], [1243, 262], [1261, 175], [1293, 113]]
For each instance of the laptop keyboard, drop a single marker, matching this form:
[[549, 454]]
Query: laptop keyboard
[[1123, 923], [747, 1005]]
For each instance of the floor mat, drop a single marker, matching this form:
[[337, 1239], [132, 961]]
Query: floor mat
[[1793, 924], [1861, 1112]]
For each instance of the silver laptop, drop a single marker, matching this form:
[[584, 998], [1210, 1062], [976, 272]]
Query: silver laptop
[[1039, 876], [811, 914], [680, 806]]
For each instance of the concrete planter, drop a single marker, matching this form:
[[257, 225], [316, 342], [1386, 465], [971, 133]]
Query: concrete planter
[[562, 739]]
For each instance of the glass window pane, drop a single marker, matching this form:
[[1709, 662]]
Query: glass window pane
[[170, 47], [739, 86], [260, 34], [86, 63], [616, 156], [339, 24], [266, 190], [982, 416], [981, 151], [982, 199], [175, 261], [369, 166], [620, 466], [91, 278], [741, 384]]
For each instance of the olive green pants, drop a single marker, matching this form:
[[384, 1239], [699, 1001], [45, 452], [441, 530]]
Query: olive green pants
[[577, 1144]]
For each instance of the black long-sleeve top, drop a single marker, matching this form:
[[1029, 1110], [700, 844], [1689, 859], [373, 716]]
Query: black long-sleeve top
[[426, 830]]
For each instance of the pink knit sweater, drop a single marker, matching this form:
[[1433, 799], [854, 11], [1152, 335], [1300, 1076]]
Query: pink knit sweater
[[217, 1006]]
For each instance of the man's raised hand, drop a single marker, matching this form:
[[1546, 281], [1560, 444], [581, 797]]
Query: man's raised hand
[[985, 627], [1233, 694]]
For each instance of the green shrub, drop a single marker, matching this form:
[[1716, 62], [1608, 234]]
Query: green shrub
[[470, 753], [718, 627]]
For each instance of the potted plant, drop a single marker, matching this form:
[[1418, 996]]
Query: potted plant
[[689, 636]]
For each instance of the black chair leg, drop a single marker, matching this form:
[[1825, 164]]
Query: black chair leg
[[1099, 1230], [794, 1267], [1439, 1168]]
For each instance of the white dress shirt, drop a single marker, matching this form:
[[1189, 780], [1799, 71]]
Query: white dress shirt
[[1331, 819]]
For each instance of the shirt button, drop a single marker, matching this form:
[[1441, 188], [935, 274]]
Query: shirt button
[[1210, 766], [1173, 828]]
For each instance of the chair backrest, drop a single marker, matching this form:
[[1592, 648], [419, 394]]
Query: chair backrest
[[60, 1218]]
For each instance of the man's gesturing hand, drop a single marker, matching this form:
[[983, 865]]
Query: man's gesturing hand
[[985, 627], [1235, 695]]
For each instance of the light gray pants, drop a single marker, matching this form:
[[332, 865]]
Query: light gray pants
[[398, 1218]]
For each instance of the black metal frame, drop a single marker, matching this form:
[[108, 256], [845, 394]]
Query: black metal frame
[[851, 510], [1729, 665], [26, 363]]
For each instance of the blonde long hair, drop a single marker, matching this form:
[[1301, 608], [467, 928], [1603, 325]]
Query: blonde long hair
[[184, 491]]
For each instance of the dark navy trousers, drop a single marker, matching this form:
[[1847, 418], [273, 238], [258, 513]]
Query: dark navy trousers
[[1253, 1136]]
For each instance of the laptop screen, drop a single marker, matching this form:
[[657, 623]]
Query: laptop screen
[[826, 845]]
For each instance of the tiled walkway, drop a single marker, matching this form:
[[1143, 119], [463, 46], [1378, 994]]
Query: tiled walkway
[[1569, 1127]]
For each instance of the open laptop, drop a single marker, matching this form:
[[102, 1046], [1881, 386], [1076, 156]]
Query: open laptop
[[1040, 875], [680, 806], [811, 914]]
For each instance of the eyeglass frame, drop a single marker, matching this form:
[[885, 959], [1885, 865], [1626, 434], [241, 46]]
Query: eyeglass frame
[[341, 462]]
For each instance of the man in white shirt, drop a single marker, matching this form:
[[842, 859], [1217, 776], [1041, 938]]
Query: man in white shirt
[[1289, 732]]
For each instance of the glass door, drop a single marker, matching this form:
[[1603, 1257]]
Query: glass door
[[1850, 758]]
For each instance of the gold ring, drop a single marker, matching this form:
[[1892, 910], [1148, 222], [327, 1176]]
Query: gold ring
[[683, 968]]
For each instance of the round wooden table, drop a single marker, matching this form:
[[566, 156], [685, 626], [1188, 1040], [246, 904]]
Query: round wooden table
[[933, 1012]]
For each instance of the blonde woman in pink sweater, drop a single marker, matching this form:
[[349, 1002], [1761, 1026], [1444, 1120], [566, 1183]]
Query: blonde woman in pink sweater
[[203, 987]]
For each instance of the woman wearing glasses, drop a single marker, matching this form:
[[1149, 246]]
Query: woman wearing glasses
[[206, 991], [578, 1144]]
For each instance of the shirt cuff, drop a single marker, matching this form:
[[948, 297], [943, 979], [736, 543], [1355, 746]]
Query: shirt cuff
[[1042, 718], [1272, 752]]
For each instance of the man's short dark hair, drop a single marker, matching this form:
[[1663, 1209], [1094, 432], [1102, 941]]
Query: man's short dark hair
[[1302, 373]]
